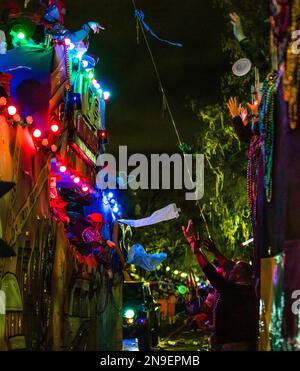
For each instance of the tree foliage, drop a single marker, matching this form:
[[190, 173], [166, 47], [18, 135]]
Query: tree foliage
[[225, 201]]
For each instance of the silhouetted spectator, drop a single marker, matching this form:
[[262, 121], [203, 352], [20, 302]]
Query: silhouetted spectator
[[236, 311]]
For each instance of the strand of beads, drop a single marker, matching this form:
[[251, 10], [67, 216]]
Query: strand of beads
[[267, 129], [68, 66], [252, 174]]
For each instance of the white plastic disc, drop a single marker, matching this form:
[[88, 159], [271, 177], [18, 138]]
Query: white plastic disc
[[241, 67]]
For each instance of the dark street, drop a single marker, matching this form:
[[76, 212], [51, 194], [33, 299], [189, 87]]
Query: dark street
[[182, 339], [175, 338]]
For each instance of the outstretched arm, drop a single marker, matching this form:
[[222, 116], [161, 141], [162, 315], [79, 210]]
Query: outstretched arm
[[238, 31], [194, 241], [240, 125], [210, 246], [249, 46], [80, 35], [216, 280]]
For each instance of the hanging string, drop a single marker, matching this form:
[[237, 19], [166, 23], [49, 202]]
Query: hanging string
[[167, 106], [141, 16], [161, 88], [204, 219], [164, 107]]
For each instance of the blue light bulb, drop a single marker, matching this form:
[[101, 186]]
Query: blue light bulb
[[106, 95], [85, 64]]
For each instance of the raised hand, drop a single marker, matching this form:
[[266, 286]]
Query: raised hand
[[244, 115], [187, 230], [237, 26], [234, 107], [193, 239], [253, 108], [96, 27]]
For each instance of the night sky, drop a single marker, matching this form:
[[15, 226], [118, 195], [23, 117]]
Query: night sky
[[135, 111]]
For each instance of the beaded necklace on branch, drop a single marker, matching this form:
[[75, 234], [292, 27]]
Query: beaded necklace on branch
[[252, 174], [267, 129]]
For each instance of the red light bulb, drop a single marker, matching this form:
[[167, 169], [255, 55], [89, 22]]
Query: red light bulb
[[62, 169], [54, 128], [85, 188], [12, 110], [37, 133], [67, 42]]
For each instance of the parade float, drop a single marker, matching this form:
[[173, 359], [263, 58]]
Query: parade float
[[61, 263], [63, 290]]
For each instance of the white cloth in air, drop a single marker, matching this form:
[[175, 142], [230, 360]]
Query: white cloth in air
[[167, 213]]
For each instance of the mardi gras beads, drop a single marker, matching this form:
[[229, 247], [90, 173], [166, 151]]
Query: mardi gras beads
[[252, 174], [267, 129]]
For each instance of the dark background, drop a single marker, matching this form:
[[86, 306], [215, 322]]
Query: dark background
[[134, 114], [135, 111]]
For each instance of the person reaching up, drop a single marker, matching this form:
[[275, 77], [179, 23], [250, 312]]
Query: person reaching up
[[236, 317]]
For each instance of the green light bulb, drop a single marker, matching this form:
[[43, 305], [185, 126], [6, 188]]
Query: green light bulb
[[129, 313], [21, 36], [182, 289]]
